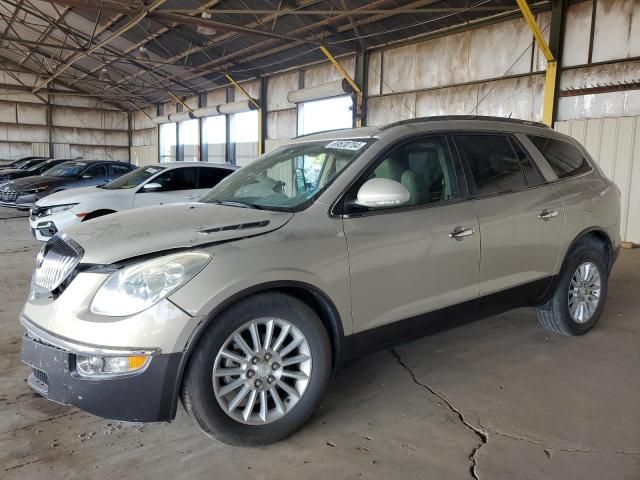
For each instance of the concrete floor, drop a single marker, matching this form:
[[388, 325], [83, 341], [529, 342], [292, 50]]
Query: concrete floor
[[496, 399]]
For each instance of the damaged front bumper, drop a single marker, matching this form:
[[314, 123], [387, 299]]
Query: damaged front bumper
[[144, 396]]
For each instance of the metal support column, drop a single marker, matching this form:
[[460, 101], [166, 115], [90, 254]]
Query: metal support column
[[230, 149], [360, 107], [262, 125], [49, 126]]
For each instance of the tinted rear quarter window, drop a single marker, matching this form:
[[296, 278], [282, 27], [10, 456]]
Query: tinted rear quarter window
[[565, 159], [494, 165]]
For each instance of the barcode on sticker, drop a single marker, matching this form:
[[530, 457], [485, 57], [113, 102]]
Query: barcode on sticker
[[346, 145]]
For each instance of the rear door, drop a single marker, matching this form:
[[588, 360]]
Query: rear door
[[415, 258], [177, 185], [521, 217]]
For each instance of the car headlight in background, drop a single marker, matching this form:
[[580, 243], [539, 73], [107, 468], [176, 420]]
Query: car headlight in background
[[139, 286], [58, 208], [32, 191]]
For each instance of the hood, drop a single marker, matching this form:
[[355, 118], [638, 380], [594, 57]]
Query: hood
[[74, 195], [36, 181], [9, 173], [147, 230]]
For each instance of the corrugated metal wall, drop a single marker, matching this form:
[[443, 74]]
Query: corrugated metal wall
[[615, 144]]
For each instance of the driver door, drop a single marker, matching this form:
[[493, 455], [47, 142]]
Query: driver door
[[418, 257], [176, 185]]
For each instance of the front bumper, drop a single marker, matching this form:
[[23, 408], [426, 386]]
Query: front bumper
[[147, 396], [46, 226]]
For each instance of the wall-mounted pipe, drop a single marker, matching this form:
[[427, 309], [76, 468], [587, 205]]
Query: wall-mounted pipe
[[317, 92], [236, 107]]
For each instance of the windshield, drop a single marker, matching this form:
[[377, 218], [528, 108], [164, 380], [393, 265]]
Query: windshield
[[132, 179], [41, 167], [66, 169], [289, 178]]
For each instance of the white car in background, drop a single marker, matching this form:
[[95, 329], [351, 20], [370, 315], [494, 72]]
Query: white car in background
[[158, 184]]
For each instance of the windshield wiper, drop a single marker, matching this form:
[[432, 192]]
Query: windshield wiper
[[231, 203]]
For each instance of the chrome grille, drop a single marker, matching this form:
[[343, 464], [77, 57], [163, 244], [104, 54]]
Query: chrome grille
[[7, 195], [56, 261]]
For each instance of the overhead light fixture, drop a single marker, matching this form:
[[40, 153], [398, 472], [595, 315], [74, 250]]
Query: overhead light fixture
[[143, 54], [104, 75], [203, 29]]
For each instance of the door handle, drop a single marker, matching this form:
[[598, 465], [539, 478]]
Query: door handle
[[547, 214], [461, 232]]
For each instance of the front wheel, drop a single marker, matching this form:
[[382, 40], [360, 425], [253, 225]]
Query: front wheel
[[581, 290], [259, 371]]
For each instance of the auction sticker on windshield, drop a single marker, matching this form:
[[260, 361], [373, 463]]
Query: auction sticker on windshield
[[346, 145]]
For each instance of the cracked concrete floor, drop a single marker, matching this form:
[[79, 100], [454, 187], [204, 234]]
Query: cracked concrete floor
[[495, 399]]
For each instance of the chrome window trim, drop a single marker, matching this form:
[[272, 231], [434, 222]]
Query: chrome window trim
[[71, 346]]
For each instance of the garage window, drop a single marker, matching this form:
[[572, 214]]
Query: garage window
[[189, 141], [244, 136], [214, 134], [168, 142], [326, 114]]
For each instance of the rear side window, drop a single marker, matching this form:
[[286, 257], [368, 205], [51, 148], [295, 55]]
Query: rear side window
[[210, 177], [531, 174], [493, 162], [178, 179], [564, 158], [117, 169]]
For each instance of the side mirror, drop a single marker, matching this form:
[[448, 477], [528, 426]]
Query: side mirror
[[151, 187], [382, 192]]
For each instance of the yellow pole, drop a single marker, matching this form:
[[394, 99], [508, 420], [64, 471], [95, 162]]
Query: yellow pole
[[552, 66], [347, 77]]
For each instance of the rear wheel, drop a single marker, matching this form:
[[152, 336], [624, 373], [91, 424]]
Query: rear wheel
[[259, 371], [579, 298]]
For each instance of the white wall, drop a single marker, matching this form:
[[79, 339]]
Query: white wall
[[615, 144], [80, 125]]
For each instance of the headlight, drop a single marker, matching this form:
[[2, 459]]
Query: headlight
[[136, 288], [32, 190], [58, 208]]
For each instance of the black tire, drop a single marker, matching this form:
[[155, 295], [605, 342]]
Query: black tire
[[555, 315], [198, 395]]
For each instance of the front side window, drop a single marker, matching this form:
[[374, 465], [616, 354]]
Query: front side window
[[564, 158], [494, 165], [290, 177], [424, 167], [178, 179], [133, 179]]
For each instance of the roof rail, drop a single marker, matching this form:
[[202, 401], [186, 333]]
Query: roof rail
[[441, 118]]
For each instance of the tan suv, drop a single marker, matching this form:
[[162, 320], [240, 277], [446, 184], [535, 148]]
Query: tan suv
[[244, 303]]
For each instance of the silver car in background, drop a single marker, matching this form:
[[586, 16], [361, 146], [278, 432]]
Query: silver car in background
[[243, 305]]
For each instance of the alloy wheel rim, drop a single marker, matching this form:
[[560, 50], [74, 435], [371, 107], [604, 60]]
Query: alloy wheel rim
[[262, 371], [584, 292]]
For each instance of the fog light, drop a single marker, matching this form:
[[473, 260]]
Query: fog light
[[93, 366]]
